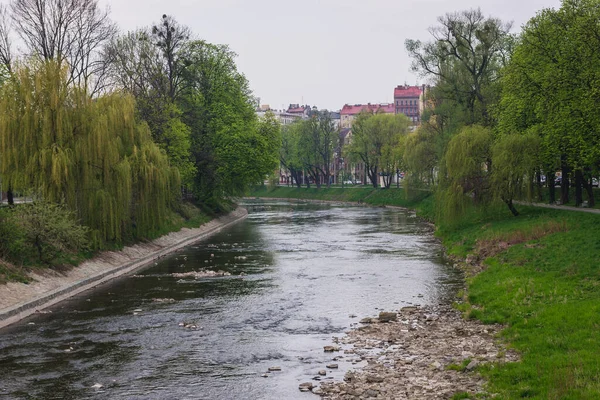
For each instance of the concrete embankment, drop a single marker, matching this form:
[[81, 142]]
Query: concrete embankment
[[19, 300]]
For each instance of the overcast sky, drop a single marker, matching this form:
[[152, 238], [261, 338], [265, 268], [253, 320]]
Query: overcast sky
[[323, 53]]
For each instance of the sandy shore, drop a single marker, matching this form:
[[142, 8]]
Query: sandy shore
[[19, 300]]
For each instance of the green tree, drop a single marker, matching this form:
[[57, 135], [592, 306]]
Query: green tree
[[49, 230], [420, 157], [468, 164], [549, 88], [375, 142], [515, 160], [91, 155], [464, 59], [218, 107], [289, 156]]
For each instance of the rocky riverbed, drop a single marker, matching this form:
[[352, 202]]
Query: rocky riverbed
[[417, 353]]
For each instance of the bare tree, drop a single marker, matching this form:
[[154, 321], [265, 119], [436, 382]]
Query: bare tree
[[71, 31], [151, 61], [6, 56], [170, 37]]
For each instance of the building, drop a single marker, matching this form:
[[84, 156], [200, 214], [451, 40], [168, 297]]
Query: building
[[408, 100], [349, 112], [284, 117], [301, 111], [336, 117]]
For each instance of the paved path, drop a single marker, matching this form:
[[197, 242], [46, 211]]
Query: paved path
[[557, 207]]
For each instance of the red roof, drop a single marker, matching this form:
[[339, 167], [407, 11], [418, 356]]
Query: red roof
[[357, 108], [299, 110], [407, 91]]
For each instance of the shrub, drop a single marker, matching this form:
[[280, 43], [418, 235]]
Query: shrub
[[48, 231]]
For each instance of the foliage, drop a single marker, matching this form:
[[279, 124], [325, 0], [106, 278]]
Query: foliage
[[377, 141], [550, 88], [468, 163], [230, 148], [49, 230], [420, 158], [289, 155], [464, 58], [315, 145], [90, 155], [515, 162]]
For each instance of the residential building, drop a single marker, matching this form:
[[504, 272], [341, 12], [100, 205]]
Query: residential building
[[408, 100], [336, 118], [284, 117], [301, 111], [349, 112]]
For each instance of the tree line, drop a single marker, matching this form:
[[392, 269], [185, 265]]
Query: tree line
[[506, 111], [118, 129], [502, 115]]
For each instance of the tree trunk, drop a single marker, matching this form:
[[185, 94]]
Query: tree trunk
[[38, 246], [564, 186], [590, 193], [538, 181], [10, 197], [373, 176], [511, 207], [551, 189], [578, 191]]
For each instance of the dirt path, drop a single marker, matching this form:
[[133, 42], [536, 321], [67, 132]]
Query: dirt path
[[19, 300]]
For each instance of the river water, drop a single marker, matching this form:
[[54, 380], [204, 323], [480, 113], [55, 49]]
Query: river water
[[300, 273]]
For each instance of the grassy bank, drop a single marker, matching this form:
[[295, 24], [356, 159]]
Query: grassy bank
[[538, 274], [23, 259], [358, 194]]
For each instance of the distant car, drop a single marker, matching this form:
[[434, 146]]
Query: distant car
[[348, 183], [594, 182]]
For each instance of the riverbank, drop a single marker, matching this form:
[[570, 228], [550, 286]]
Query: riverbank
[[535, 274], [404, 360], [19, 300]]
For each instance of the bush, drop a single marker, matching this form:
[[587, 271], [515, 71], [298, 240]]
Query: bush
[[47, 231], [11, 235]]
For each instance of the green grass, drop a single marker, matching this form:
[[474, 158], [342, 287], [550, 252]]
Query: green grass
[[541, 279], [362, 194]]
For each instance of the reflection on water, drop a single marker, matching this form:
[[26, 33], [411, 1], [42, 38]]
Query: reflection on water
[[298, 274]]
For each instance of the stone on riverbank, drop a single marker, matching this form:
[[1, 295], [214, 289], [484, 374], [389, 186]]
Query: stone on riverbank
[[387, 316], [306, 387], [409, 357]]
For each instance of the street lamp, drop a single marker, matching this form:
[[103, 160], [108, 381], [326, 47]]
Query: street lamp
[[342, 168]]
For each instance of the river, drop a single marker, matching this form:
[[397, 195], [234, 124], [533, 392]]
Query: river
[[301, 274]]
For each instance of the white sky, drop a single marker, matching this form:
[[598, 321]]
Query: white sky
[[323, 53]]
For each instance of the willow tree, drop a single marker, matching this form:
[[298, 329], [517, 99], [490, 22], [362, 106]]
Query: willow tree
[[515, 159], [467, 165], [91, 155]]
